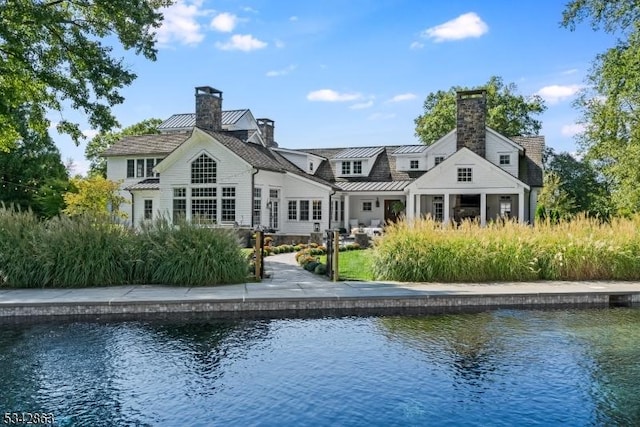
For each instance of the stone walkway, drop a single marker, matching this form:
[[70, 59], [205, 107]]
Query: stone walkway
[[290, 288]]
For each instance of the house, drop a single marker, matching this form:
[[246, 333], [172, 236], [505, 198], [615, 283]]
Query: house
[[225, 168]]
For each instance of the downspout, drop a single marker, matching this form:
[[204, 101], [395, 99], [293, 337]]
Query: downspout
[[333, 192], [133, 224], [253, 195]]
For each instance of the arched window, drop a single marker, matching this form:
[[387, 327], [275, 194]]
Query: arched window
[[203, 170]]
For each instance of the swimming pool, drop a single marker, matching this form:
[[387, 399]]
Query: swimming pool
[[507, 367]]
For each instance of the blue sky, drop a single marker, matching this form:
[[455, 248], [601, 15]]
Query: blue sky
[[337, 73]]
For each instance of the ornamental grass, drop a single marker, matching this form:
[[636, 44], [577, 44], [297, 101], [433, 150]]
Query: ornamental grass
[[580, 249]]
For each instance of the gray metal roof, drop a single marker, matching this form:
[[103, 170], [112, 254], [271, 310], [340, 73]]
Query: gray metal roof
[[359, 153], [411, 149], [188, 120], [145, 184], [373, 186]]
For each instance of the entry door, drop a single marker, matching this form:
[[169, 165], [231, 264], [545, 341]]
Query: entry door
[[273, 221], [389, 214]]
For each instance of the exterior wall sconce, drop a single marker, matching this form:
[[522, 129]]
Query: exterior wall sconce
[[377, 202], [316, 227], [269, 205]]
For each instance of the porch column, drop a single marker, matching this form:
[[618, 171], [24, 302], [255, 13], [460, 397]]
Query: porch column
[[521, 205], [418, 206], [445, 214], [410, 205], [483, 209], [347, 214]]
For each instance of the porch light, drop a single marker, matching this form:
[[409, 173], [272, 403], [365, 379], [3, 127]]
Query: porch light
[[269, 204], [316, 227], [377, 202]]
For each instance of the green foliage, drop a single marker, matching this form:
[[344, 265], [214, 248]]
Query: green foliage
[[86, 251], [581, 249], [311, 265], [610, 101], [554, 202], [507, 112], [94, 196], [320, 269], [102, 141], [32, 175], [59, 53]]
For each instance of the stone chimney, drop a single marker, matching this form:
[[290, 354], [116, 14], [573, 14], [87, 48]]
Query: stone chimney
[[266, 127], [208, 108], [471, 121]]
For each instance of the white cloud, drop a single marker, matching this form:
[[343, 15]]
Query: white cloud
[[90, 133], [403, 97], [464, 26], [416, 45], [362, 105], [224, 22], [381, 116], [572, 129], [330, 95], [282, 72], [243, 42], [570, 71], [293, 18], [556, 93], [180, 24]]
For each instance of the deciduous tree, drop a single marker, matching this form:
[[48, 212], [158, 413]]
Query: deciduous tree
[[58, 53], [507, 112], [94, 196]]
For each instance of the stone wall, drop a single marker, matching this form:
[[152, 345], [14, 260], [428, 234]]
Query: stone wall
[[471, 120], [208, 108]]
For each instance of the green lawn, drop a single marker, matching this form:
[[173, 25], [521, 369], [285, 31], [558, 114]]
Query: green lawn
[[354, 265]]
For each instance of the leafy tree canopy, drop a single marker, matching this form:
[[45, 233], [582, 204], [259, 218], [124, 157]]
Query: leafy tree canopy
[[32, 175], [56, 54], [610, 102], [94, 196], [507, 112], [102, 141]]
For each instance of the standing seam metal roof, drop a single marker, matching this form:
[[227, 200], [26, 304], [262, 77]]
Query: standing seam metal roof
[[188, 120], [410, 149], [359, 152]]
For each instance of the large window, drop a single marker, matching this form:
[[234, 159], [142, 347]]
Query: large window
[[465, 175], [357, 166], [304, 210], [179, 204], [203, 170], [293, 210], [317, 210], [204, 205], [257, 206], [141, 168], [228, 213], [438, 208]]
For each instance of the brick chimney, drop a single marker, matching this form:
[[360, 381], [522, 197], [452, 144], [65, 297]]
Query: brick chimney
[[208, 108], [266, 127], [471, 121]]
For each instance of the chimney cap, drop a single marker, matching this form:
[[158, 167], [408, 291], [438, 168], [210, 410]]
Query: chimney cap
[[208, 90], [265, 121], [472, 93]]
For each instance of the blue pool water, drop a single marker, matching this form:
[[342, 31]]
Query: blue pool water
[[496, 368]]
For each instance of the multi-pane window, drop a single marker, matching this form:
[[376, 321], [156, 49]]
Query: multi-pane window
[[179, 204], [366, 206], [336, 206], [438, 208], [346, 168], [505, 159], [228, 211], [149, 168], [293, 210], [148, 209], [257, 206], [341, 210], [131, 168], [438, 160], [465, 175], [505, 206], [414, 164], [204, 205], [140, 168], [357, 166], [304, 210], [203, 170], [317, 210], [274, 194]]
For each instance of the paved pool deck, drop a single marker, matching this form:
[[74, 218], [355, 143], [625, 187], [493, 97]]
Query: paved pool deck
[[290, 290]]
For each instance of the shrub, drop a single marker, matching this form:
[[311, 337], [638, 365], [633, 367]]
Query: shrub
[[320, 269], [311, 265]]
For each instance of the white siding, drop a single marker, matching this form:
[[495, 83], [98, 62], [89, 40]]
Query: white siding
[[231, 172], [296, 189], [444, 147], [117, 171], [497, 146], [139, 197], [403, 162]]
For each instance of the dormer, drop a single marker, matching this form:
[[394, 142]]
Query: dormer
[[355, 162], [411, 158], [307, 162]]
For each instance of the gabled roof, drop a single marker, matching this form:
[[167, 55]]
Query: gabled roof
[[410, 149], [155, 144], [188, 120], [358, 153]]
